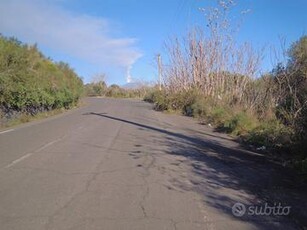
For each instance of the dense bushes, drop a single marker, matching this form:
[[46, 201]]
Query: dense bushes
[[95, 89], [179, 101], [30, 83], [272, 113], [235, 120], [116, 91], [272, 134], [212, 77], [290, 82]]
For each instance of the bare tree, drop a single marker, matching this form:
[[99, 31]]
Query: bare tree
[[210, 61]]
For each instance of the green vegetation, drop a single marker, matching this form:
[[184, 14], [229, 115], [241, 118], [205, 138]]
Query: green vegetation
[[212, 78], [31, 83], [272, 113], [95, 89], [100, 89]]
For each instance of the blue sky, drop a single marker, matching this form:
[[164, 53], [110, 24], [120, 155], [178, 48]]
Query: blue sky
[[121, 37]]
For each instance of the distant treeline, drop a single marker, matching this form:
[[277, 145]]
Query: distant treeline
[[100, 88], [30, 82]]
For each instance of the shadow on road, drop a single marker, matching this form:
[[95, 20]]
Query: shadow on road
[[221, 175]]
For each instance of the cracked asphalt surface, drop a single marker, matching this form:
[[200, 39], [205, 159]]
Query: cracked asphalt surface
[[117, 164]]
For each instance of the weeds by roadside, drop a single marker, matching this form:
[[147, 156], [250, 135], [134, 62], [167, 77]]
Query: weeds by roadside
[[266, 134], [21, 118]]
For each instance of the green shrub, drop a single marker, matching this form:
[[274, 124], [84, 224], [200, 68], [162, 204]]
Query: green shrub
[[159, 98], [180, 101], [150, 96], [240, 123], [30, 83], [201, 109], [95, 89], [219, 115], [207, 111], [270, 134], [184, 101], [161, 101]]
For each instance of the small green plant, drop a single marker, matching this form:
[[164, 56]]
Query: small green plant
[[270, 133], [202, 108], [219, 115], [240, 123]]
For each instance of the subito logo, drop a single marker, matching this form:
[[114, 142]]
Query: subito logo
[[238, 209]]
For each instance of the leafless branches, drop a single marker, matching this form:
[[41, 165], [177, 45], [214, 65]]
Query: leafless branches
[[211, 61]]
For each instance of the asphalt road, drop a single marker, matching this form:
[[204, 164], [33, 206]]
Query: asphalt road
[[117, 164]]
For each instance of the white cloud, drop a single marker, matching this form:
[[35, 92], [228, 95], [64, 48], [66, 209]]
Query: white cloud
[[81, 36]]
